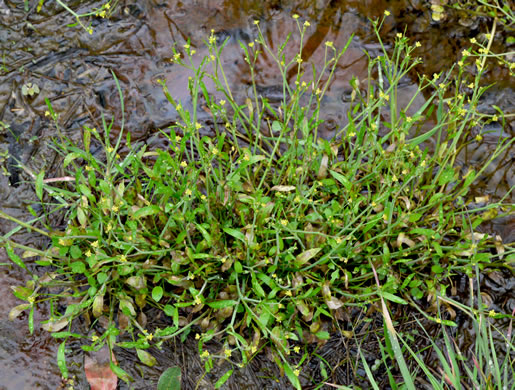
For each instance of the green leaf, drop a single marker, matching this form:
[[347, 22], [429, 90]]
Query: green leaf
[[323, 335], [75, 252], [424, 137], [238, 267], [69, 158], [414, 217], [61, 360], [223, 379], [446, 177], [222, 304], [78, 267], [31, 320], [291, 376], [205, 234], [39, 184], [101, 277], [157, 293], [276, 126], [170, 379], [146, 358], [235, 233], [15, 258], [342, 179], [393, 298], [120, 373], [147, 211]]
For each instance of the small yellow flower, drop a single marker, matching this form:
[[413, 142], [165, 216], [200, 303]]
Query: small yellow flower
[[284, 222], [288, 293], [186, 46], [409, 119], [215, 151], [352, 134], [256, 22], [107, 5], [31, 299], [253, 349], [204, 354], [306, 24], [296, 372], [471, 85], [251, 44], [438, 320], [197, 337], [387, 13], [110, 149], [94, 244], [295, 16], [149, 336], [222, 102], [303, 85], [212, 39], [246, 157], [488, 36], [227, 352], [198, 126], [318, 91], [115, 208], [193, 52], [296, 199], [460, 63], [465, 53], [90, 31], [299, 59], [495, 118], [329, 44], [62, 242], [203, 197], [123, 258], [418, 44], [399, 35], [435, 76], [296, 349], [88, 253], [394, 178], [188, 192], [442, 85], [94, 337], [384, 96], [197, 300], [479, 138], [47, 113], [423, 163], [109, 227], [492, 313], [473, 40], [184, 164]]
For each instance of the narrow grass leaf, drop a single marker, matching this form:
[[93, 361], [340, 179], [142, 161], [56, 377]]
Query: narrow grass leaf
[[219, 383]]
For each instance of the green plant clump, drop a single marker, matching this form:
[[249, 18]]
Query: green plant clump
[[263, 233]]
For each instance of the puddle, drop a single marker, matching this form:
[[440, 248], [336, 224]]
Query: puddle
[[73, 70]]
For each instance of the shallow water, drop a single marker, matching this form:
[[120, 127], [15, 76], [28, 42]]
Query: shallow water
[[73, 70]]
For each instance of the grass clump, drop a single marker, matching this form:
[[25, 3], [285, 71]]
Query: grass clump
[[262, 233]]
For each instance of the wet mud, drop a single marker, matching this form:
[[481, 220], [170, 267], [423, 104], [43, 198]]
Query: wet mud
[[73, 70]]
